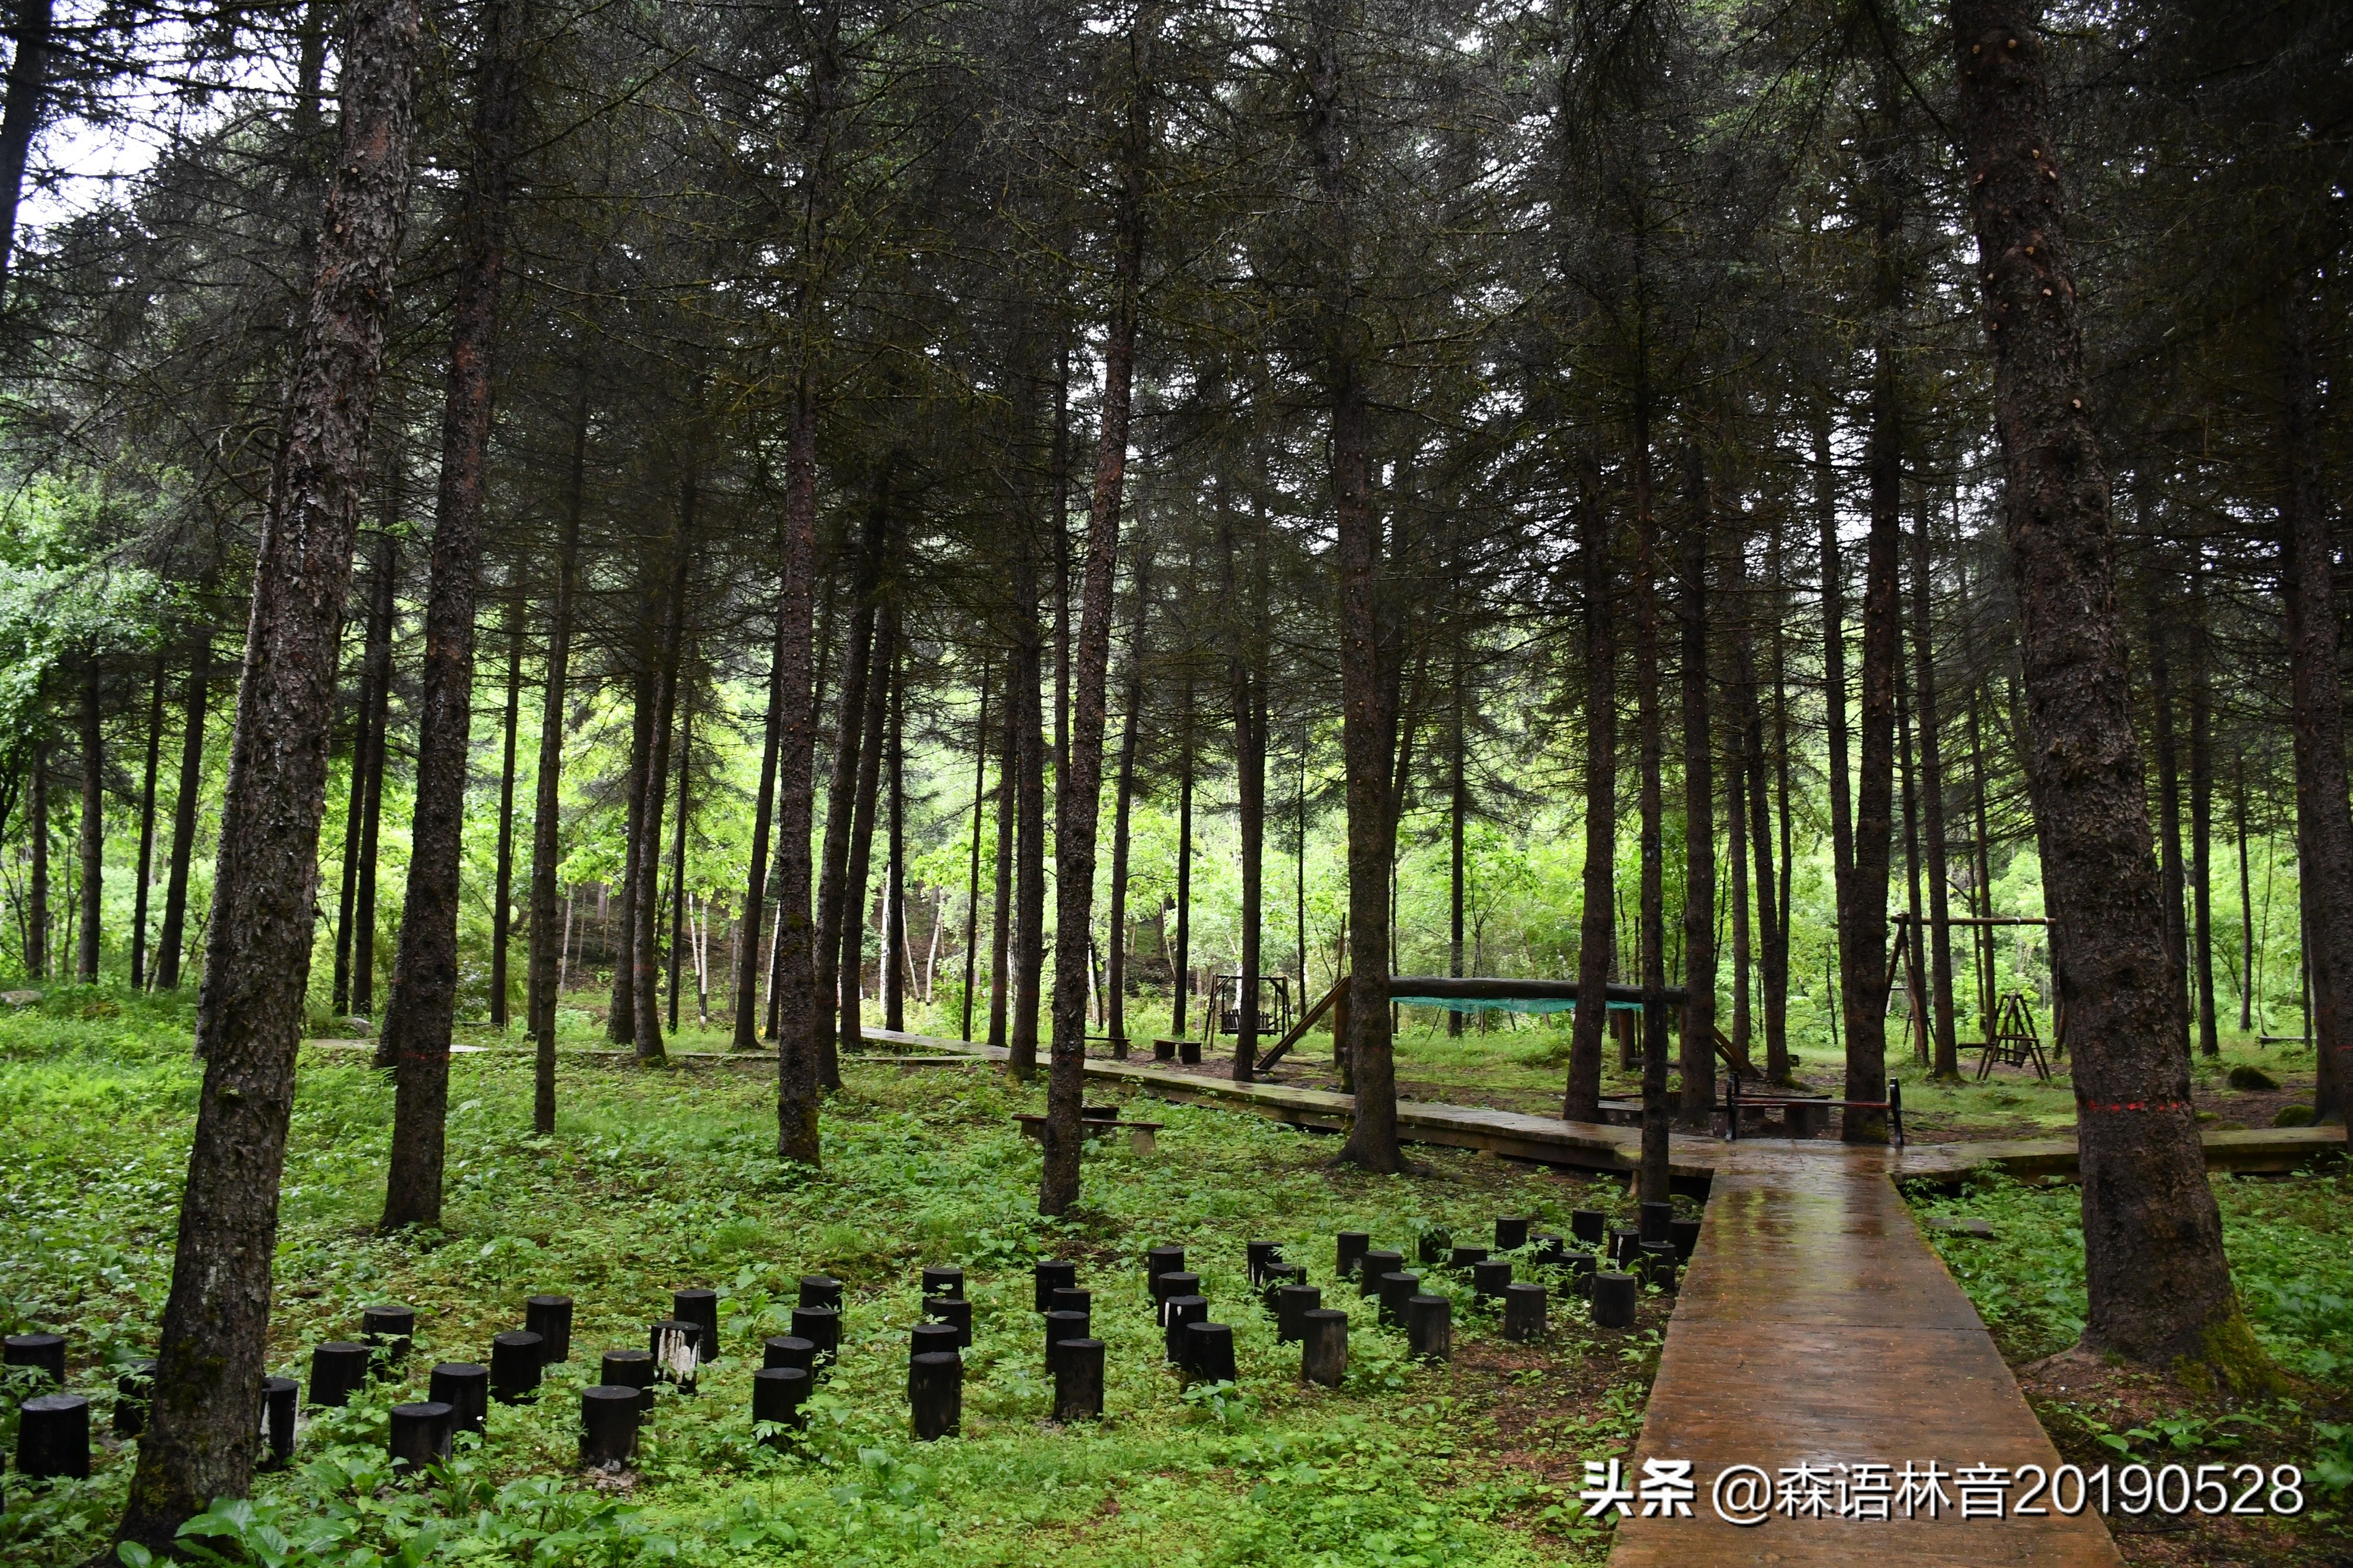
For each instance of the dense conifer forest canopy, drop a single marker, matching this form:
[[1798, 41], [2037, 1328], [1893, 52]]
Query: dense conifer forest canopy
[[682, 529]]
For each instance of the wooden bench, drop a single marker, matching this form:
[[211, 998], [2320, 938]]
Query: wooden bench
[[1797, 1111], [1140, 1137]]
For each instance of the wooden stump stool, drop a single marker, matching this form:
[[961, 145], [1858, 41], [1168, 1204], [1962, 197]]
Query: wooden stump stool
[[1430, 1327], [632, 1370], [776, 1396], [338, 1368], [550, 1317], [465, 1388], [609, 1413], [53, 1437], [1524, 1311], [1078, 1368], [1613, 1300], [935, 1394], [1324, 1347], [420, 1434]]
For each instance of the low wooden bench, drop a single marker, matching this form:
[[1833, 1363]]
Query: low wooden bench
[[1797, 1111], [1140, 1137]]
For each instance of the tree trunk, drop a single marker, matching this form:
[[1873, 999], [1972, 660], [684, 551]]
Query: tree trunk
[[423, 1006], [1735, 848], [1078, 792], [2246, 904], [92, 850], [1650, 740], [1000, 958], [28, 84], [379, 720], [1598, 931], [1181, 971], [2324, 828], [621, 1011], [503, 897], [198, 1445], [678, 923], [894, 931], [1131, 735], [972, 893], [1835, 684], [2159, 1285], [850, 963], [645, 940], [834, 914], [793, 981], [755, 891], [1911, 936], [1248, 699], [2201, 820], [172, 938], [36, 830], [821, 655], [1699, 819], [1864, 912], [1772, 906], [1945, 1063], [147, 827], [547, 967], [2171, 886], [1030, 814], [355, 809]]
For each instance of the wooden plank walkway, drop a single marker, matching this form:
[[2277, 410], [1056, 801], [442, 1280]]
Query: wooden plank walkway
[[1517, 1135], [1817, 1327]]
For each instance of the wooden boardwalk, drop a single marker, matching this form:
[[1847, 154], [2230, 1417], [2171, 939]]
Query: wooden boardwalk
[[1816, 1328]]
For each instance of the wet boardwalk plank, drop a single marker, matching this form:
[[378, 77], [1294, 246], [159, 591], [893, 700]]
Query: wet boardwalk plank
[[1816, 1327]]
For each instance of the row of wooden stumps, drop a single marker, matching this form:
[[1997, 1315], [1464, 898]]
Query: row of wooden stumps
[[53, 1433]]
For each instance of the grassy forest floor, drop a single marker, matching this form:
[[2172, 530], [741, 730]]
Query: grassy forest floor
[[658, 1180]]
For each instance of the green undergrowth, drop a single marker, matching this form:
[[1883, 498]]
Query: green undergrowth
[[658, 1180], [2290, 1254]]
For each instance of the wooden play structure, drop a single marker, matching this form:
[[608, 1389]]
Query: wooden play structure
[[1991, 1008]]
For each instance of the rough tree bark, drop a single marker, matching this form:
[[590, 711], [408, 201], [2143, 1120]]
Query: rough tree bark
[[206, 1405], [2201, 819], [503, 880], [1599, 927], [755, 891], [1028, 734], [2159, 1285], [793, 981], [972, 890], [841, 787], [848, 966], [378, 678], [546, 963], [1650, 744], [644, 956], [2324, 828], [1130, 738], [1699, 818], [1944, 1054], [1078, 792], [1000, 954], [423, 1004], [172, 938], [2170, 882], [1181, 971], [1248, 694], [147, 825], [678, 914], [92, 847]]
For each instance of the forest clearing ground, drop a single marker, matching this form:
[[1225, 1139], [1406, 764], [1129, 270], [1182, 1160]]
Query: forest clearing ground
[[662, 1179]]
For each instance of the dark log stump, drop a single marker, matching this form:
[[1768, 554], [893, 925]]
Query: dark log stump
[[53, 1438], [338, 1368], [1324, 1347], [465, 1388], [609, 1413], [1524, 1311], [1078, 1366], [550, 1317], [419, 1435], [936, 1393]]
